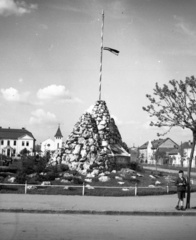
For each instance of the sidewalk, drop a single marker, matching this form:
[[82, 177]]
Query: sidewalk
[[61, 204]]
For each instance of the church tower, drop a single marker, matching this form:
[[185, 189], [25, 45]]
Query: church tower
[[58, 138]]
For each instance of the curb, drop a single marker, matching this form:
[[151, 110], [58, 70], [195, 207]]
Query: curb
[[94, 212]]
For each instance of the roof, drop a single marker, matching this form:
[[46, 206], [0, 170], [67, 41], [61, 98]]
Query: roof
[[58, 133], [119, 150], [186, 145], [156, 143], [173, 152], [10, 133], [47, 140]]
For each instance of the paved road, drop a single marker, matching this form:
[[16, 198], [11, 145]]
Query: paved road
[[193, 174], [22, 226]]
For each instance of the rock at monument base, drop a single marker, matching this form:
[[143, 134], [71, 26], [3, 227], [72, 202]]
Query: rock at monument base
[[104, 179]]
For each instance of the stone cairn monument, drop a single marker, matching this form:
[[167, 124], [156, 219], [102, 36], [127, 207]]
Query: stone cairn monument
[[90, 146]]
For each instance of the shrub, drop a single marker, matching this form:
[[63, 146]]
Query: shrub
[[69, 178], [95, 179], [134, 165], [8, 169], [33, 181], [64, 167], [41, 165], [74, 172], [21, 177], [50, 176], [28, 165], [77, 181], [24, 152], [50, 169]]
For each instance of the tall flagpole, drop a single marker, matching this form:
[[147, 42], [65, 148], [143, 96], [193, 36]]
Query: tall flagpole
[[101, 57]]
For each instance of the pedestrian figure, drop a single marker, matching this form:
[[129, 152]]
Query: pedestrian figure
[[181, 189]]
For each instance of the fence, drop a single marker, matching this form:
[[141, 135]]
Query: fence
[[134, 189]]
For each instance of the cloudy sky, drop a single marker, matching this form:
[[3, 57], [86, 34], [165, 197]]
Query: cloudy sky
[[50, 53]]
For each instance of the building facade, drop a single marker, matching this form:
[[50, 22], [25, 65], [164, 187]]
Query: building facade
[[13, 141], [157, 151], [182, 157], [52, 145]]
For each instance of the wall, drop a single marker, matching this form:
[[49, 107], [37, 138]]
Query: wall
[[48, 145]]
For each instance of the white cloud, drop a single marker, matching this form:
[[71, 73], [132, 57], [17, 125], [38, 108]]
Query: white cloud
[[120, 122], [53, 92], [39, 117], [66, 8], [89, 110], [18, 8], [12, 95], [56, 92]]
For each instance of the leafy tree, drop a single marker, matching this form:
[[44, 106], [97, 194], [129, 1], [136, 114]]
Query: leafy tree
[[24, 151], [174, 105], [183, 154], [124, 145], [159, 155], [38, 148], [141, 157]]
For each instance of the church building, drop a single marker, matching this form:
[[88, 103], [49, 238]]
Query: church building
[[52, 145]]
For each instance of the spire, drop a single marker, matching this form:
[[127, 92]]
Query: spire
[[58, 133]]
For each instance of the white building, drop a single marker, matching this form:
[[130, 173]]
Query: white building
[[179, 160], [53, 145], [159, 147], [13, 141]]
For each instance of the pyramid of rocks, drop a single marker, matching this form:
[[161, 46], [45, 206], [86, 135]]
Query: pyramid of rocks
[[91, 139]]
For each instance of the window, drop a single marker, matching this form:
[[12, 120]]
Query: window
[[2, 142], [8, 142], [14, 143], [27, 143], [23, 143]]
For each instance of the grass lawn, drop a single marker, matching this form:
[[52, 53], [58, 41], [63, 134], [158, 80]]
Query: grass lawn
[[145, 182]]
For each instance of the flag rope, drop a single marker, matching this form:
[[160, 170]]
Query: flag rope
[[101, 57]]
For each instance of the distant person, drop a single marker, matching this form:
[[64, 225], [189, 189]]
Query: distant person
[[181, 189]]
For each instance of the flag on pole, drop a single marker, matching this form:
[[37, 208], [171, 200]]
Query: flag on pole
[[114, 51]]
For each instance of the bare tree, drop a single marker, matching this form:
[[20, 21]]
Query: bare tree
[[174, 105]]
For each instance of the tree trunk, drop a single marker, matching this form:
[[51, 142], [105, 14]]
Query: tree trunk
[[188, 198]]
